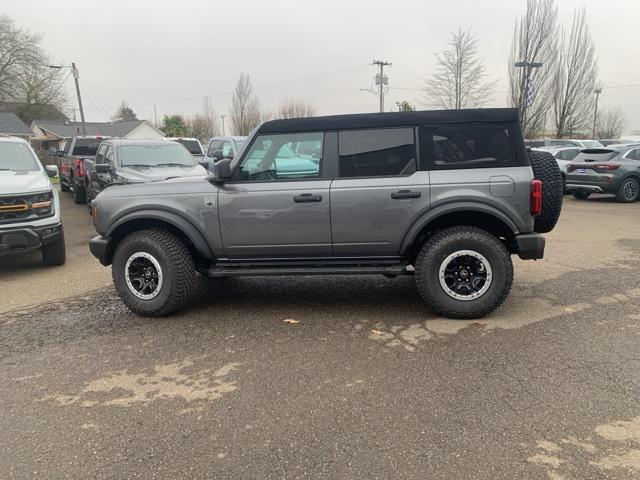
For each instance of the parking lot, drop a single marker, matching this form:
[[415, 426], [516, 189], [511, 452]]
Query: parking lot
[[367, 384]]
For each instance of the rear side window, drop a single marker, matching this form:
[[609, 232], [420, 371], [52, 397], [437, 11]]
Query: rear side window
[[634, 154], [477, 146], [568, 154], [377, 152]]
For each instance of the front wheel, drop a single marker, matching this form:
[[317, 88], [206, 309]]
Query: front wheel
[[463, 272], [629, 191], [153, 272]]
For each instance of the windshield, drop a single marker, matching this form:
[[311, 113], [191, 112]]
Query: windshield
[[17, 156], [155, 155], [86, 146], [192, 145]]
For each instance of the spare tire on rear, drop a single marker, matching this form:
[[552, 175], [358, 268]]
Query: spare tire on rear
[[546, 168]]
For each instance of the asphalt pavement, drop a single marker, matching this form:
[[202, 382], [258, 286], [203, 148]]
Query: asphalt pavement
[[330, 377]]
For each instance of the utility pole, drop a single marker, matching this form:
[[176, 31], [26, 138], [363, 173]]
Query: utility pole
[[381, 80], [598, 91], [222, 117], [76, 77]]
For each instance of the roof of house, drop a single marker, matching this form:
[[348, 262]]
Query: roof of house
[[390, 119], [10, 124], [70, 129], [28, 111]]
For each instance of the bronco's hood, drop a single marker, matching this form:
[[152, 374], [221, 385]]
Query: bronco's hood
[[153, 174], [17, 182]]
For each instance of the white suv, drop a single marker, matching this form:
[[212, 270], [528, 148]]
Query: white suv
[[29, 205]]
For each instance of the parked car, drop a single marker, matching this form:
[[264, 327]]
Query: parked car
[[191, 144], [565, 142], [120, 161], [613, 169], [222, 147], [610, 141], [29, 205], [71, 161], [563, 156], [446, 195]]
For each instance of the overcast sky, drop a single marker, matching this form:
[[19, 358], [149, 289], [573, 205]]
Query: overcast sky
[[172, 53]]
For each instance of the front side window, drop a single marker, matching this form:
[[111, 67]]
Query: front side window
[[108, 155], [227, 149], [100, 155], [154, 155], [479, 146], [282, 157], [377, 152], [214, 146], [16, 156]]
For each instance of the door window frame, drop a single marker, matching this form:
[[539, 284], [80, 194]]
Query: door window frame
[[329, 151]]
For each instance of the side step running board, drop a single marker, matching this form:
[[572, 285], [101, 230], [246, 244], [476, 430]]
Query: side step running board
[[221, 271]]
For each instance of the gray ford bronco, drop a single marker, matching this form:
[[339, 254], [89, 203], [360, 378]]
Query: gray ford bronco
[[446, 196]]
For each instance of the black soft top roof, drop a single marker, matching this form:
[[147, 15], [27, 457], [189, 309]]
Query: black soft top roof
[[391, 119]]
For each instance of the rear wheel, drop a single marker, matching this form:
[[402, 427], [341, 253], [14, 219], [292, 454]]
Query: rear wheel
[[580, 194], [79, 193], [55, 253], [629, 191], [463, 272], [545, 168], [153, 272], [64, 186]]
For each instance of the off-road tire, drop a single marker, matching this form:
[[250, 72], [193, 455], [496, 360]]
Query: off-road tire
[[55, 253], [178, 271], [546, 168], [621, 195], [79, 194], [442, 244]]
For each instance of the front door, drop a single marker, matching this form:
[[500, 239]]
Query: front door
[[277, 204]]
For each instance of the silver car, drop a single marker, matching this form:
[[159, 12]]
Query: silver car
[[614, 169]]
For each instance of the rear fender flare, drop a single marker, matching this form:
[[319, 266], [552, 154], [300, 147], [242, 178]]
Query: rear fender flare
[[441, 210]]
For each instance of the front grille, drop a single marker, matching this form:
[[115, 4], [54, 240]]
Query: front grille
[[21, 208]]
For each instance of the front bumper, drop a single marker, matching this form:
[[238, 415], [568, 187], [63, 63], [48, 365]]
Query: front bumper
[[99, 248], [24, 239], [530, 246]]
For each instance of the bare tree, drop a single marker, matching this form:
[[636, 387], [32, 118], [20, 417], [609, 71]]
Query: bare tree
[[245, 107], [610, 123], [460, 78], [209, 118], [535, 40], [124, 113], [296, 109], [575, 78], [25, 78]]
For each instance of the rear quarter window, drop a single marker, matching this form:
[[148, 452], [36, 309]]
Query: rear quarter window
[[469, 146]]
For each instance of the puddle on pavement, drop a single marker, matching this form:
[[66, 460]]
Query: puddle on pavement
[[613, 448], [169, 381]]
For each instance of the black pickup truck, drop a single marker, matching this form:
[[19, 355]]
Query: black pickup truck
[[120, 162], [71, 164]]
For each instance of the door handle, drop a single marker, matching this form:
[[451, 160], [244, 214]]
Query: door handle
[[307, 197], [405, 194]]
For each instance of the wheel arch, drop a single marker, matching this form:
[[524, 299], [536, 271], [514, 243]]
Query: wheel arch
[[470, 214], [172, 222]]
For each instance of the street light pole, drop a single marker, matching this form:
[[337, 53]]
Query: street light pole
[[528, 66], [223, 133], [598, 91]]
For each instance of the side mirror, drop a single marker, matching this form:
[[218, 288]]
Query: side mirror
[[218, 155], [103, 167], [204, 164], [51, 170], [222, 171]]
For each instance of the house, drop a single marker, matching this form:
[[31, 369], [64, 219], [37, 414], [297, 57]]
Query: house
[[10, 124], [55, 133]]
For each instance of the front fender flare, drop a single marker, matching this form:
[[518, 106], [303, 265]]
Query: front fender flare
[[441, 210], [174, 219]]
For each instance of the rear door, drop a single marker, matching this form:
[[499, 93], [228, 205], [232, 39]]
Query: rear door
[[277, 204], [378, 192]]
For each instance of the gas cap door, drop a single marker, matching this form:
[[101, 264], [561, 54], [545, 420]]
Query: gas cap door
[[502, 186]]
